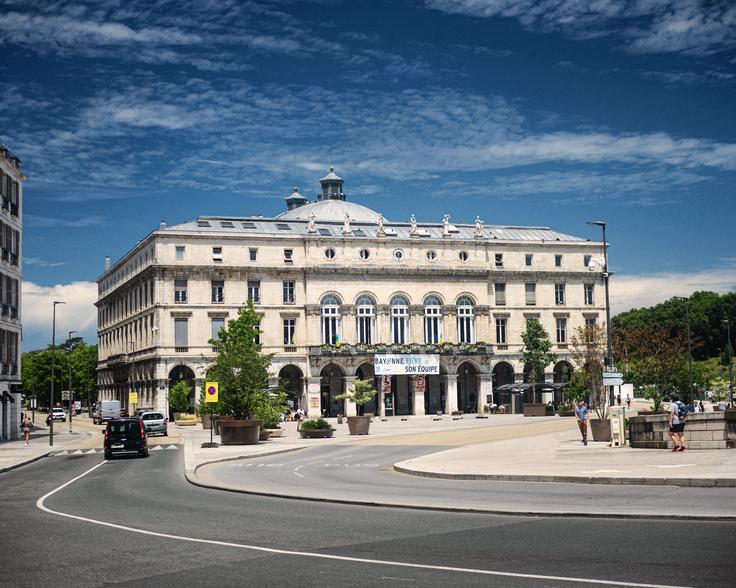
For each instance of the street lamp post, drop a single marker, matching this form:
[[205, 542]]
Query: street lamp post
[[71, 393], [730, 356], [609, 341], [53, 365], [689, 347]]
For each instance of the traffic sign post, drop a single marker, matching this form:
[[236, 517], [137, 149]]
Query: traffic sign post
[[211, 395], [613, 379]]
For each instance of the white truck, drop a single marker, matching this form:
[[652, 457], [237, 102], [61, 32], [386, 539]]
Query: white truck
[[106, 410]]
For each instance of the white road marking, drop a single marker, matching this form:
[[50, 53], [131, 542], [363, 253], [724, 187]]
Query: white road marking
[[400, 564], [344, 457], [678, 465]]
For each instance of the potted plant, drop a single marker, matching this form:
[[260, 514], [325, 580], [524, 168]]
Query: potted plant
[[363, 392], [315, 429], [269, 413], [241, 371]]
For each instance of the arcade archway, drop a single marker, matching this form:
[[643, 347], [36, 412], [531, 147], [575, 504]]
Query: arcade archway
[[332, 383], [467, 387], [291, 380]]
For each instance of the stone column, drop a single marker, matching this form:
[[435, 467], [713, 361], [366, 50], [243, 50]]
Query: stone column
[[485, 387], [314, 401], [451, 393], [418, 396], [350, 408]]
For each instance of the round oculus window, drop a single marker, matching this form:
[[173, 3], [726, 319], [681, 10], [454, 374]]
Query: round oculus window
[[431, 255], [398, 254], [364, 254], [463, 255], [330, 253]]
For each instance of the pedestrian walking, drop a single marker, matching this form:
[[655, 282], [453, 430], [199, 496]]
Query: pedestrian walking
[[678, 414], [628, 402], [26, 428], [581, 413], [618, 399], [702, 406]]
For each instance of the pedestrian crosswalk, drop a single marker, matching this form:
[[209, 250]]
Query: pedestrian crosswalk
[[64, 452]]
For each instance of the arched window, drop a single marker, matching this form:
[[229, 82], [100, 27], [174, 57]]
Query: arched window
[[465, 320], [366, 319], [432, 319], [330, 306], [399, 320]]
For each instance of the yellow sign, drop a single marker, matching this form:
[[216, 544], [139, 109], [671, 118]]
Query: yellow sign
[[211, 391], [132, 397]]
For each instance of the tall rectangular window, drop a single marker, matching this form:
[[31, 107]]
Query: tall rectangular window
[[559, 294], [432, 324], [253, 254], [558, 260], [530, 290], [529, 258], [561, 330], [254, 291], [590, 321], [501, 330], [180, 290], [289, 331], [589, 292], [499, 259], [217, 254], [289, 255], [181, 333], [399, 323], [180, 252], [500, 289], [288, 292], [586, 260], [257, 338], [217, 324], [218, 291]]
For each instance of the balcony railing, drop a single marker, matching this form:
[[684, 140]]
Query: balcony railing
[[439, 348]]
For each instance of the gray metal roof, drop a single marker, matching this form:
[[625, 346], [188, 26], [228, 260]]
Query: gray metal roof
[[284, 226]]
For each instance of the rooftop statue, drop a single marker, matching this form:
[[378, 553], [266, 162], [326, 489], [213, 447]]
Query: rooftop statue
[[381, 229], [478, 227], [446, 225], [413, 229], [312, 225], [346, 224]]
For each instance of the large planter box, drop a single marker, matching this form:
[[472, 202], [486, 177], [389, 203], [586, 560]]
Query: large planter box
[[601, 429], [264, 435], [703, 430], [566, 413], [239, 432], [359, 425], [276, 432], [207, 421], [531, 410], [185, 423], [316, 433]]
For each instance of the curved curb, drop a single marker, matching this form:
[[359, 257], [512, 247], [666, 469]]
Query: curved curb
[[607, 480], [51, 450], [193, 479]]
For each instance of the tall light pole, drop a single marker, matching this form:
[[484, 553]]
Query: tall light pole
[[71, 393], [609, 341], [53, 365], [730, 356], [689, 347]]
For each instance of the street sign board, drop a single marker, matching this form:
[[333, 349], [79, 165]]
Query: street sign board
[[612, 375], [132, 397], [65, 394], [212, 391], [611, 381], [391, 364]]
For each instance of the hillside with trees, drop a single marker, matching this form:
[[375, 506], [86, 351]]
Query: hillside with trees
[[650, 344]]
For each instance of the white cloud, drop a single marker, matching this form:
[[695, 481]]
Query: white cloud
[[78, 314], [637, 291], [645, 26]]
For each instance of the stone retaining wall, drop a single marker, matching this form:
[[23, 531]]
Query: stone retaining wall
[[707, 430]]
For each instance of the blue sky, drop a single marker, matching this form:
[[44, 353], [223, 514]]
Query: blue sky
[[537, 113]]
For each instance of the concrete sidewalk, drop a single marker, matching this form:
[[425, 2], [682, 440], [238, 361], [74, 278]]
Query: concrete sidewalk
[[14, 454]]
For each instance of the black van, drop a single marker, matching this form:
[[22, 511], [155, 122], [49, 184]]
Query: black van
[[125, 437]]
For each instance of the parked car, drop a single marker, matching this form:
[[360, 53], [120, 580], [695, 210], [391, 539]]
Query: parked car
[[106, 410], [57, 414], [125, 437], [140, 411], [155, 422]]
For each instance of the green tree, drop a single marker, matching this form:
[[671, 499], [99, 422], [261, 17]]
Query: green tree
[[363, 392], [588, 346], [577, 389], [240, 368], [537, 352], [179, 396]]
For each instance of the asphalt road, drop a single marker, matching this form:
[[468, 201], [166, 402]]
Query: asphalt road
[[151, 496], [364, 473]]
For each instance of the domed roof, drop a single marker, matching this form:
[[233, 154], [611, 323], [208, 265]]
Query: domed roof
[[332, 210]]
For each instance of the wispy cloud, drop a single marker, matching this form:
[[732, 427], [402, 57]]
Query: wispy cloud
[[637, 291], [78, 313], [644, 26], [39, 221], [42, 262]]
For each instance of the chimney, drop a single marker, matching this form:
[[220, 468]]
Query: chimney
[[107, 263], [162, 225]]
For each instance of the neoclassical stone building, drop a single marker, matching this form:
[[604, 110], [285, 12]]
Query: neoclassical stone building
[[337, 284]]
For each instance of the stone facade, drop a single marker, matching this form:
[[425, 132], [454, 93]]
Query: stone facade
[[11, 192], [335, 283]]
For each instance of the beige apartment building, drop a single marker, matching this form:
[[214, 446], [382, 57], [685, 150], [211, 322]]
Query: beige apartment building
[[336, 285], [11, 192]]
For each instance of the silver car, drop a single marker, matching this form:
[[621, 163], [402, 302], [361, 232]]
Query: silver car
[[155, 422]]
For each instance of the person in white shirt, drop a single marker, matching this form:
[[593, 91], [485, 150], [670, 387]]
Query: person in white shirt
[[678, 412]]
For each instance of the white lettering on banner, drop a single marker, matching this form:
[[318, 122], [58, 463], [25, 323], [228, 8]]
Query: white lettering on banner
[[395, 364]]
